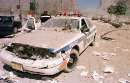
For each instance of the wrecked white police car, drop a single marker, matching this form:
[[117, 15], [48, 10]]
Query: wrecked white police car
[[53, 48]]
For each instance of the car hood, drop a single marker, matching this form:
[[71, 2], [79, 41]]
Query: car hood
[[46, 39]]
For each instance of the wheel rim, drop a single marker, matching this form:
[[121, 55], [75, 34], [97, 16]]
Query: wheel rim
[[72, 61]]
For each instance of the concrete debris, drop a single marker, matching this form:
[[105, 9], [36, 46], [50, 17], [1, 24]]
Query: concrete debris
[[81, 67], [108, 69], [122, 80], [84, 73], [52, 81], [97, 77]]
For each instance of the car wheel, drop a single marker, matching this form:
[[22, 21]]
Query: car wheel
[[73, 60]]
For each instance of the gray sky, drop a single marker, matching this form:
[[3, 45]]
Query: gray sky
[[88, 4]]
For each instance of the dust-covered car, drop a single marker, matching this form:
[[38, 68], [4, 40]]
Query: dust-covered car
[[54, 48], [9, 25]]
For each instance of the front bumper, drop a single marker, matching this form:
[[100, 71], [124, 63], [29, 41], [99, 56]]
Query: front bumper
[[45, 71], [26, 67]]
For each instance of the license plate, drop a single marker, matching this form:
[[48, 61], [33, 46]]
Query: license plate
[[17, 66]]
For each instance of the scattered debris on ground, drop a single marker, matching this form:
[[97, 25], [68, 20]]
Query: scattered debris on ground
[[104, 55], [122, 80], [128, 74], [97, 77], [97, 53], [84, 73], [108, 69], [8, 77]]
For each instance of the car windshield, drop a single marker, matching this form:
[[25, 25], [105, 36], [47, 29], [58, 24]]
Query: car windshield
[[6, 20], [62, 23]]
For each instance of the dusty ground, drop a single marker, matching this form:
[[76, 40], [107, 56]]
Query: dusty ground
[[114, 53]]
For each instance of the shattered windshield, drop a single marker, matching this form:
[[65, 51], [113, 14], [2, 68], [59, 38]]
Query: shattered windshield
[[62, 23]]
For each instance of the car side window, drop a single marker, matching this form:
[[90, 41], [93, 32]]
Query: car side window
[[83, 24]]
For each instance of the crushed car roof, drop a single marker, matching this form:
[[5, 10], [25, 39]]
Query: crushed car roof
[[68, 17]]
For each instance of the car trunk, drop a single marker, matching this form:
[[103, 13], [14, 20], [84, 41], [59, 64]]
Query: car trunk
[[30, 52]]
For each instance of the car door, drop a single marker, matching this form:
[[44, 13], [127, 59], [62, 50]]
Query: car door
[[85, 31], [92, 31]]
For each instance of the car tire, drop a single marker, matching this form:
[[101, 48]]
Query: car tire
[[74, 57]]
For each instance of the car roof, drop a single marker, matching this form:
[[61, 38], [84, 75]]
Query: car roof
[[6, 16], [68, 17]]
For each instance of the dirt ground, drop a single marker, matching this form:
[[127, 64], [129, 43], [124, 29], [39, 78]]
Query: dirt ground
[[113, 54]]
